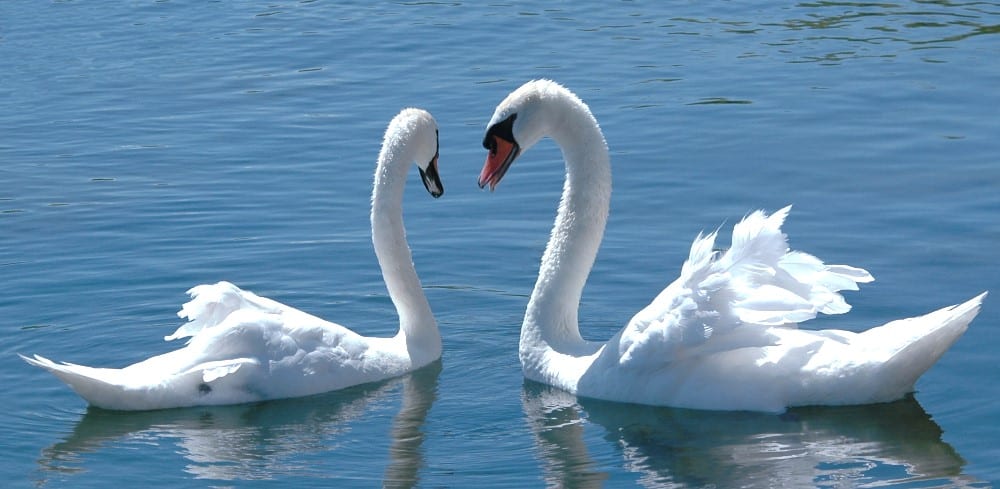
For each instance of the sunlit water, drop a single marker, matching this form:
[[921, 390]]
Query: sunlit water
[[149, 147]]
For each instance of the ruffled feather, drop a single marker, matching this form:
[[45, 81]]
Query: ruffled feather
[[758, 281]]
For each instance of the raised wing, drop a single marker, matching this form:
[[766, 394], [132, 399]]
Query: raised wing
[[757, 281], [211, 304]]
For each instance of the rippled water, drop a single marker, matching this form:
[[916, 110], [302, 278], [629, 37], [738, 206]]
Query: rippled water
[[151, 146]]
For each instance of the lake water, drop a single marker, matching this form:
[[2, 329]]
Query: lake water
[[146, 147]]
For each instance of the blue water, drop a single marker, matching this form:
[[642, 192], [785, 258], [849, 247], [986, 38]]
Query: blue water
[[146, 147]]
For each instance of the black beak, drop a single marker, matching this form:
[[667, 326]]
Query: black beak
[[432, 181]]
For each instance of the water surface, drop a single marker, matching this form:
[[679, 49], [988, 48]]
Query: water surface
[[151, 146]]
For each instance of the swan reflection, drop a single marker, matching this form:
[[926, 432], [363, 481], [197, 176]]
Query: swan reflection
[[270, 439], [874, 444]]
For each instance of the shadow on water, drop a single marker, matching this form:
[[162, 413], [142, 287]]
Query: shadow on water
[[892, 443], [263, 440]]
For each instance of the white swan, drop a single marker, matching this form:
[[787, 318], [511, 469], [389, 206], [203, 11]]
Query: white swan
[[247, 348], [723, 335]]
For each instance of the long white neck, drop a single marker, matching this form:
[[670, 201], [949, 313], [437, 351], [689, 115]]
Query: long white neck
[[416, 321], [551, 317]]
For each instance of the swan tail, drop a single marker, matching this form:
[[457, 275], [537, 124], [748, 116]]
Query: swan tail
[[211, 304], [102, 387], [915, 344], [125, 390]]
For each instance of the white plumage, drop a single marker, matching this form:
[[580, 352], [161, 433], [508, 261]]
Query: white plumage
[[724, 334], [246, 348]]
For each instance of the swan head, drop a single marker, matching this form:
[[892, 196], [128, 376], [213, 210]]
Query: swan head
[[528, 114], [417, 132], [429, 173]]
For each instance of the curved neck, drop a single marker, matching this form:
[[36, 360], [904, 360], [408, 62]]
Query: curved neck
[[551, 317], [416, 321]]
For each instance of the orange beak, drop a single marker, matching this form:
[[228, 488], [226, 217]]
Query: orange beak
[[498, 162]]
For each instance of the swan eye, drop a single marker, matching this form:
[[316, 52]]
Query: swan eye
[[503, 129]]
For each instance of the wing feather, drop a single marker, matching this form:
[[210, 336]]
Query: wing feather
[[757, 282], [210, 305]]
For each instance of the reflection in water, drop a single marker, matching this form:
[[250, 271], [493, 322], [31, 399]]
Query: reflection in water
[[405, 454], [831, 446], [263, 440], [555, 421]]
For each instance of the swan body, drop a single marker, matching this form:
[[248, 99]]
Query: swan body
[[246, 348], [724, 334]]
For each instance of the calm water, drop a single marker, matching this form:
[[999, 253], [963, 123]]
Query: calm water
[[146, 147]]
